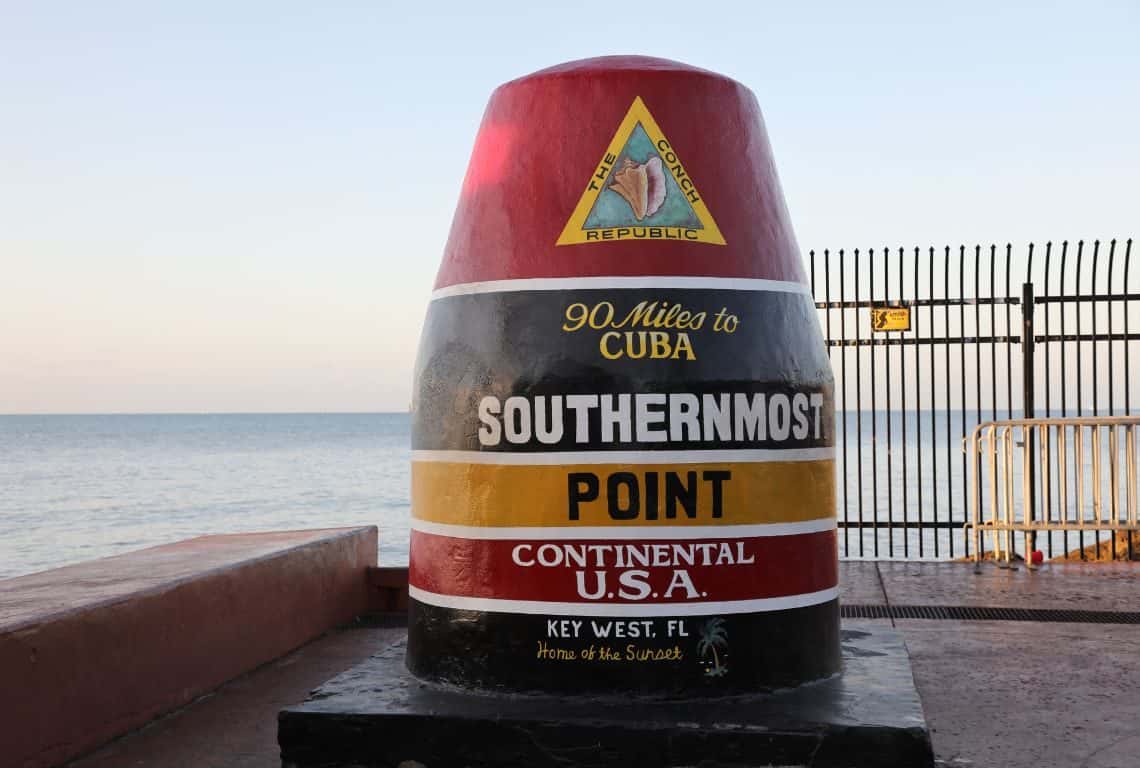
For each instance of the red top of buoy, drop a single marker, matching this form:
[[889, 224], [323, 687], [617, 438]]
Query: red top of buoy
[[615, 64], [545, 194]]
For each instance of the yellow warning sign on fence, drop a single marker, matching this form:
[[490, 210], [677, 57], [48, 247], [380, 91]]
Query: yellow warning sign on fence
[[890, 319]]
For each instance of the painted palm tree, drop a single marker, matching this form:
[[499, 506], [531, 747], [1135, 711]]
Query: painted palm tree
[[713, 636]]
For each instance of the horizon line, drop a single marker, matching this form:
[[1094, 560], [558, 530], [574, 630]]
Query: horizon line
[[867, 411], [205, 413]]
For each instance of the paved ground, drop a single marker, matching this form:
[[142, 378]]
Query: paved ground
[[1005, 693], [1001, 693], [236, 727]]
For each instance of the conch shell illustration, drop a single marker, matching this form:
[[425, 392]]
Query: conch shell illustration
[[642, 185]]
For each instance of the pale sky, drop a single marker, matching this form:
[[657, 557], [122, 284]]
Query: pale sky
[[220, 206]]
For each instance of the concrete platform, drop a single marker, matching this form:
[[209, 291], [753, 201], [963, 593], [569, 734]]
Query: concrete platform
[[236, 725], [1109, 586], [995, 694], [377, 715]]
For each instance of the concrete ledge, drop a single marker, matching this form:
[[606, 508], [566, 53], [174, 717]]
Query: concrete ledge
[[389, 589], [91, 651]]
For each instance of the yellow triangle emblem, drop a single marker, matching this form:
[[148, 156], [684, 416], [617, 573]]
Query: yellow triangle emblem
[[640, 191]]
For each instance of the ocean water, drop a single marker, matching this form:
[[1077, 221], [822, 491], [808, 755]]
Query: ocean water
[[73, 488]]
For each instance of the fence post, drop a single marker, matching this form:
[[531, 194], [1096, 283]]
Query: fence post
[[1027, 383]]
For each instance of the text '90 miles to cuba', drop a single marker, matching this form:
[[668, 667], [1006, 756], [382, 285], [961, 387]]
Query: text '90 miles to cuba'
[[650, 329]]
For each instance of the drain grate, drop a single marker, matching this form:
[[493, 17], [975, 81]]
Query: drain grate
[[986, 613], [864, 611]]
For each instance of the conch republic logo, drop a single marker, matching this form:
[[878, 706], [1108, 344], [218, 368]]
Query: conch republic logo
[[640, 190]]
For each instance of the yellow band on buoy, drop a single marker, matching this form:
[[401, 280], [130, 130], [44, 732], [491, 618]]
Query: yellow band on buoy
[[675, 494]]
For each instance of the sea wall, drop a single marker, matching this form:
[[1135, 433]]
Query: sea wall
[[91, 651]]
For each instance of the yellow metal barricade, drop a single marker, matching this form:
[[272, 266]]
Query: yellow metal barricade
[[1042, 475]]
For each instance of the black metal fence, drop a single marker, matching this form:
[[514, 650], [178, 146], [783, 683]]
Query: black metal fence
[[973, 350]]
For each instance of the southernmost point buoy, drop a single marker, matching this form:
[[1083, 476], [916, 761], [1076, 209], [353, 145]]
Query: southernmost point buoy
[[623, 549], [623, 467]]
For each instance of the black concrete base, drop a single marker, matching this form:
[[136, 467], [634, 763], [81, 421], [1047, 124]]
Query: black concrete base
[[376, 715]]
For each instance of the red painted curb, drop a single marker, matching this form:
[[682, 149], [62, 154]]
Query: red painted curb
[[91, 651]]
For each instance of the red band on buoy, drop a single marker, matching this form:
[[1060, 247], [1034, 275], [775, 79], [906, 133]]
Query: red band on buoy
[[682, 572]]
